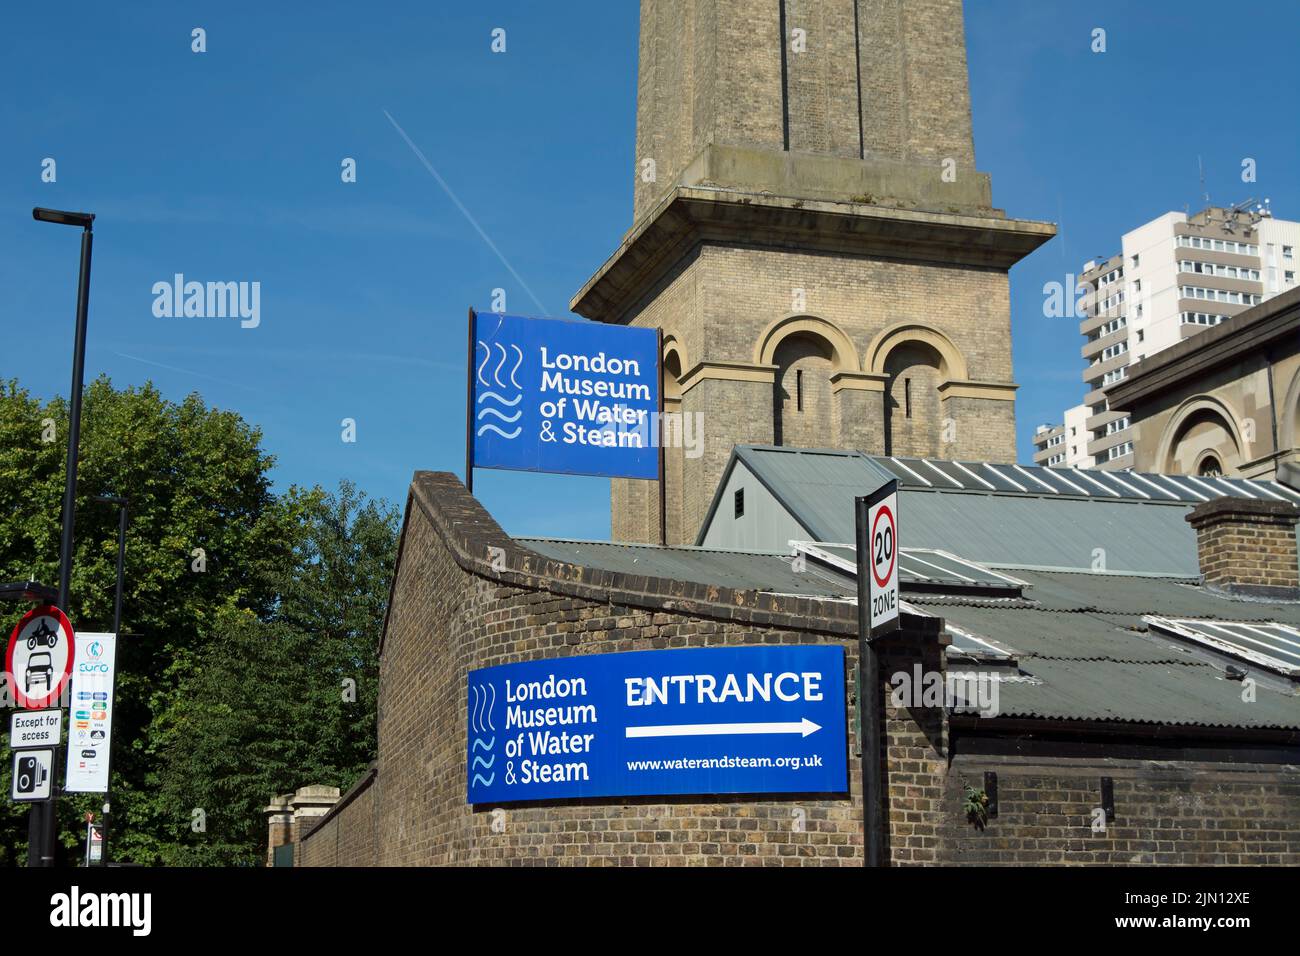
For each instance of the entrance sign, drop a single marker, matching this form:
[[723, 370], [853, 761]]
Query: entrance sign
[[708, 721], [35, 728], [880, 559], [39, 660], [571, 397], [32, 775], [90, 723]]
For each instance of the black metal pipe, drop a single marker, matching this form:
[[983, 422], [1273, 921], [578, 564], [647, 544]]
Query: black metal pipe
[[74, 424], [122, 505], [41, 819], [870, 698], [469, 405], [121, 569]]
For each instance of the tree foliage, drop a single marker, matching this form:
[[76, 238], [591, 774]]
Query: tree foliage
[[230, 667]]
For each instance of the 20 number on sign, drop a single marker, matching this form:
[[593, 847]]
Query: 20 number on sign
[[884, 561]]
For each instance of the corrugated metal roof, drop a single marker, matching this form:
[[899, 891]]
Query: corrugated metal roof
[[1186, 694], [1097, 667], [1035, 480], [919, 568], [758, 571], [1065, 591], [1017, 516], [1077, 636], [1029, 532], [1032, 633]]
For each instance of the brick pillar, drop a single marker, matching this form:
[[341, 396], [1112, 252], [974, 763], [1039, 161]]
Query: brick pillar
[[279, 823], [1248, 546], [309, 805]]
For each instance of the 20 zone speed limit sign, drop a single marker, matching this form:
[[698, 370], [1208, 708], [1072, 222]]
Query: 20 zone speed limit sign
[[881, 557]]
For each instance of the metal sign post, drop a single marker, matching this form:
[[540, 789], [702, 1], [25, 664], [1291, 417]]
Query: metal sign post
[[876, 540], [469, 406]]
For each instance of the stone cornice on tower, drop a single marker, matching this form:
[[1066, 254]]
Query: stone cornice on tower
[[692, 215]]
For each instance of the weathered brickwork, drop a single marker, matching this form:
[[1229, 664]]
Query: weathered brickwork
[[884, 85], [449, 618], [813, 158], [1165, 813], [346, 836], [723, 299], [1247, 544], [452, 613]]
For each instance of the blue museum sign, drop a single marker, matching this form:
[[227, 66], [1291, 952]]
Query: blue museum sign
[[706, 721], [570, 397]]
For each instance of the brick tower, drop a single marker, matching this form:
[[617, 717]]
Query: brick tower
[[811, 234]]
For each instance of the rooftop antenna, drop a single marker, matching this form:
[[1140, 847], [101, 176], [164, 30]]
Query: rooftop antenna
[[1205, 196]]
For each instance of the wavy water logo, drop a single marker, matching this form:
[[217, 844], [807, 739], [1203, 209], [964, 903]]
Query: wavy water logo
[[500, 406], [482, 701]]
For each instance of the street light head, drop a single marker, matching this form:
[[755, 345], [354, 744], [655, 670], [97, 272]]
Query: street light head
[[82, 219]]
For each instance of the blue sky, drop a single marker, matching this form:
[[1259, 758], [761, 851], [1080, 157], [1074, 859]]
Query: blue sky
[[226, 166]]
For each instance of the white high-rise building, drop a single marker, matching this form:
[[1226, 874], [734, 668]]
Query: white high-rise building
[[1064, 446], [1174, 277]]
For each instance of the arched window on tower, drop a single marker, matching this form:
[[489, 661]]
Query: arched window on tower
[[912, 400], [801, 405]]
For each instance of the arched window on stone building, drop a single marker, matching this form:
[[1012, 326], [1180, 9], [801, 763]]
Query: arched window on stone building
[[803, 416], [912, 418], [1202, 437]]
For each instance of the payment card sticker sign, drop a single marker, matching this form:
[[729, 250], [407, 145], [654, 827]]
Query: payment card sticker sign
[[570, 397], [719, 720], [92, 713]]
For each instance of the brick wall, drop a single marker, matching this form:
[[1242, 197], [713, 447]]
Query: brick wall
[[346, 835], [1248, 545], [451, 613], [1184, 813]]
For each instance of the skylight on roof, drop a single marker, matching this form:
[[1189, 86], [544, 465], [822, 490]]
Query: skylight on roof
[[946, 475], [1267, 644], [972, 645], [918, 568]]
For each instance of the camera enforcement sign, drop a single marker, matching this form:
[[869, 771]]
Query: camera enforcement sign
[[573, 397], [39, 660], [707, 721], [31, 777]]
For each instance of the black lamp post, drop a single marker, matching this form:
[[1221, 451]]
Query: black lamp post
[[40, 828]]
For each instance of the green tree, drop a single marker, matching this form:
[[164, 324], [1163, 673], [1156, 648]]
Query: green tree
[[275, 704], [212, 554]]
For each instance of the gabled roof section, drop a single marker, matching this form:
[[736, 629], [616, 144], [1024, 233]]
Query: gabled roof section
[[811, 483], [1002, 515]]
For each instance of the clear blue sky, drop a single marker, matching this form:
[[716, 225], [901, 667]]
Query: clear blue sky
[[225, 166]]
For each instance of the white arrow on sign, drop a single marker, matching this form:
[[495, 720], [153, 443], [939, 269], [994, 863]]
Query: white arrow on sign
[[802, 727]]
